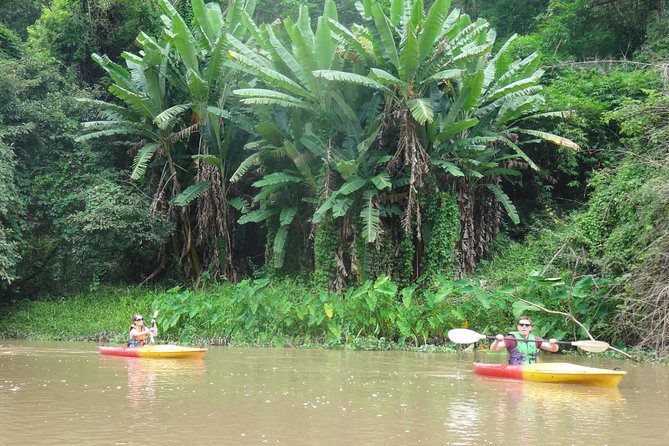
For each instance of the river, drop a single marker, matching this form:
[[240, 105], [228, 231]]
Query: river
[[55, 393]]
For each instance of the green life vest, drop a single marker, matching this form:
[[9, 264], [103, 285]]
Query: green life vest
[[525, 352]]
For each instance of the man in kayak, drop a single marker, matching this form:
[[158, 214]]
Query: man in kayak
[[139, 333], [523, 347]]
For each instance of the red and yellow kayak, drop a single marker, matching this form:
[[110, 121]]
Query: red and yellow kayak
[[558, 372], [154, 351]]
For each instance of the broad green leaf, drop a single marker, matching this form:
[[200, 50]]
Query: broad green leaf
[[421, 110], [210, 160], [409, 55], [168, 117], [446, 75], [382, 181], [351, 186], [385, 78], [341, 206], [386, 34], [273, 77], [279, 245], [202, 19], [434, 21], [370, 217], [454, 128], [449, 167], [256, 216], [184, 42], [558, 140], [277, 178], [325, 48], [272, 96], [191, 193], [244, 167], [342, 76], [142, 159], [506, 202]]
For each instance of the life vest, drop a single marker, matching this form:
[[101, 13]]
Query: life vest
[[137, 341], [525, 352]]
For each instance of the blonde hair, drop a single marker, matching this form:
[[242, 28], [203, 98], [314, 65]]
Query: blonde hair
[[525, 318]]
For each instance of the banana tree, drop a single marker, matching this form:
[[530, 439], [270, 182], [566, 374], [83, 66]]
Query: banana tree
[[175, 97], [454, 107], [478, 138], [302, 119]]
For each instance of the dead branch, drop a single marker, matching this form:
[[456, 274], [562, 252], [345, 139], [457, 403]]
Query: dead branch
[[570, 316]]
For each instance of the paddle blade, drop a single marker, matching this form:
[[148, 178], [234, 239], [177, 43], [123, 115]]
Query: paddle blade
[[591, 346], [464, 336]]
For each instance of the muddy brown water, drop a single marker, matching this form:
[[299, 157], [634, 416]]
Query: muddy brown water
[[66, 393]]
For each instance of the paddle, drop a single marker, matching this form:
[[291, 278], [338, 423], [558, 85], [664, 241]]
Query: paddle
[[465, 336], [153, 324]]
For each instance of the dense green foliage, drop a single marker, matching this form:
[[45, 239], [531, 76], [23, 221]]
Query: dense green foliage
[[373, 315], [375, 151], [71, 30]]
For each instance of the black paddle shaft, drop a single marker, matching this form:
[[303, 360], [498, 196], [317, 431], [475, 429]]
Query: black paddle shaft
[[529, 340]]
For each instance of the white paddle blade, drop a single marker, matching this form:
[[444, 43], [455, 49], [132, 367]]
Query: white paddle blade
[[464, 336], [592, 346]]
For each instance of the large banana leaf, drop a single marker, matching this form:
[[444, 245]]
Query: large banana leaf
[[191, 193], [506, 202], [433, 28], [370, 217], [142, 159]]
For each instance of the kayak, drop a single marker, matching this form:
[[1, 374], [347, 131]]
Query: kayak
[[558, 372], [154, 351]]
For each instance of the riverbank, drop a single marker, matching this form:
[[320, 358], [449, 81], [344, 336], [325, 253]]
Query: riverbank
[[249, 314], [374, 316]]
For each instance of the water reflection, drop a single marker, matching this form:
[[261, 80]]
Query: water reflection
[[151, 378], [507, 411]]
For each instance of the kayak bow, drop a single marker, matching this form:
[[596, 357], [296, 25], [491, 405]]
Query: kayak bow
[[154, 351], [558, 372]]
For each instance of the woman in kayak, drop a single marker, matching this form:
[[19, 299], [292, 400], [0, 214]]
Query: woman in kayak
[[139, 333], [521, 345]]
